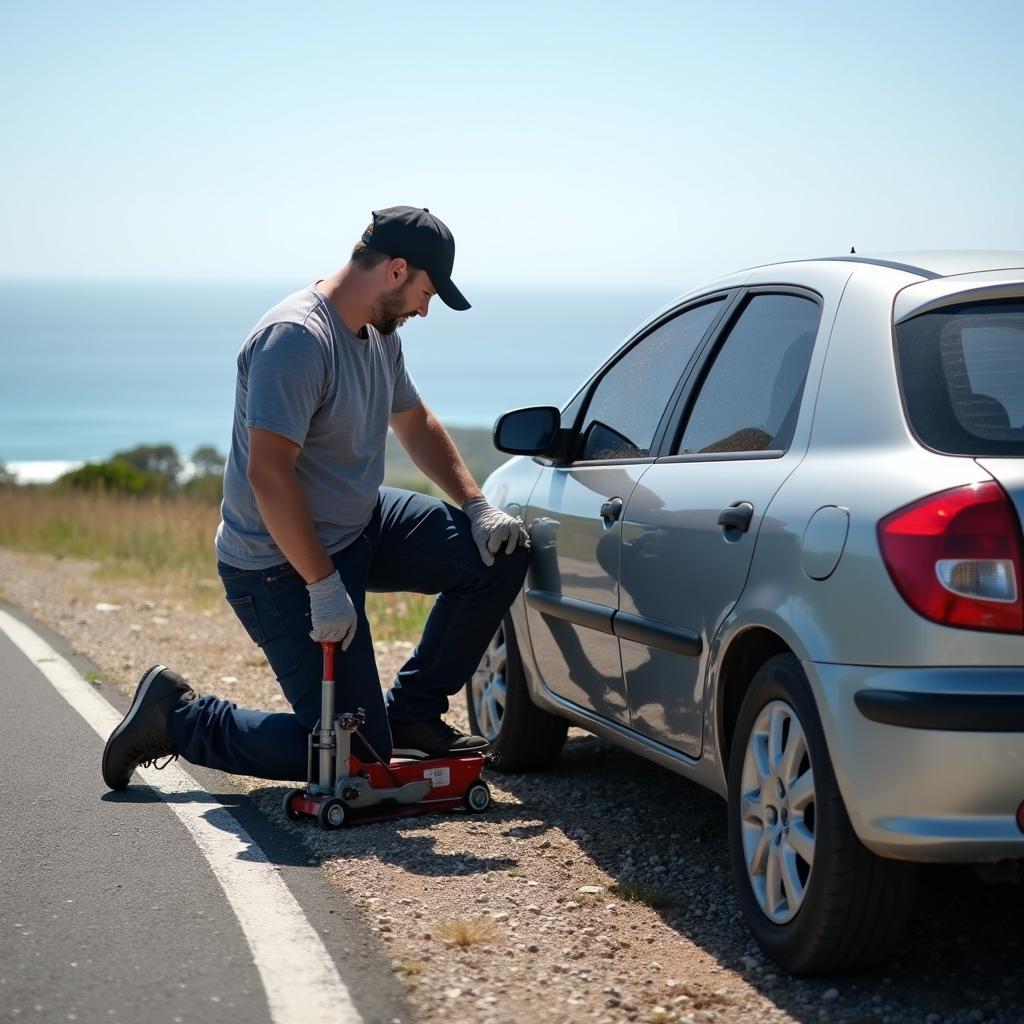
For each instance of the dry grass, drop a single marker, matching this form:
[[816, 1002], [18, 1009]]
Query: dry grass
[[139, 536], [654, 896], [165, 540], [410, 971], [397, 616], [468, 931]]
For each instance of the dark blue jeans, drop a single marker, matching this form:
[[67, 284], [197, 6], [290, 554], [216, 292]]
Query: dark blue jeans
[[412, 543]]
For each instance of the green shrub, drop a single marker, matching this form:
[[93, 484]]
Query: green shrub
[[157, 459], [207, 488], [114, 476]]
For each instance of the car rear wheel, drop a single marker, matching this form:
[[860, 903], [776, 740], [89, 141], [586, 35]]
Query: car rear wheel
[[522, 736], [814, 896]]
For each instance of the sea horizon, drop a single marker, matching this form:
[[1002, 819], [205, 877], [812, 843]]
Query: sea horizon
[[89, 368]]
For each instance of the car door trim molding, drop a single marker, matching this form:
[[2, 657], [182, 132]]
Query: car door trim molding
[[573, 467], [572, 609], [767, 453], [624, 625], [653, 633]]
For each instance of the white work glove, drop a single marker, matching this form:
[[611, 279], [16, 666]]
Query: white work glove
[[494, 529], [333, 613]]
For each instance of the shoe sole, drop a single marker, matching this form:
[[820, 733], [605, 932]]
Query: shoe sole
[[140, 695]]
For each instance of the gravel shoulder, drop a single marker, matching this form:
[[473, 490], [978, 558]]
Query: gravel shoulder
[[523, 913]]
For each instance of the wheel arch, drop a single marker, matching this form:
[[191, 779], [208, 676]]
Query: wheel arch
[[745, 654]]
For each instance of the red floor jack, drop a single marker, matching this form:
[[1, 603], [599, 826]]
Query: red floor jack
[[349, 791]]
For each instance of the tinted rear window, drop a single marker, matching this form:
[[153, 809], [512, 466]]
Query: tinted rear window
[[962, 374]]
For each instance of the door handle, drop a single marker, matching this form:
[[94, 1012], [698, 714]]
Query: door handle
[[611, 510], [736, 517]]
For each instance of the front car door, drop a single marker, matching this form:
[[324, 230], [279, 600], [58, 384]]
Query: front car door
[[688, 531], [573, 587]]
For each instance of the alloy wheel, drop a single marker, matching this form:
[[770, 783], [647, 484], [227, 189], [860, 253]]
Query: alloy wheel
[[777, 812], [489, 687]]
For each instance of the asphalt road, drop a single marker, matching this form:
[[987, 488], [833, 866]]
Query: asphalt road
[[109, 910]]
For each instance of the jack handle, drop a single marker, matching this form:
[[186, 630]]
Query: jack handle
[[327, 744], [328, 649], [349, 720]]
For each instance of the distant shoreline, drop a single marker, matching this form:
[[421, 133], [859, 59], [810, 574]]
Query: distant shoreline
[[473, 441], [43, 471]]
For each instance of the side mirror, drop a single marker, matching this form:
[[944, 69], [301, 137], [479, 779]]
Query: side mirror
[[531, 431]]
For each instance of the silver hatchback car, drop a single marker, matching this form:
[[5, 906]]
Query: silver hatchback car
[[777, 548]]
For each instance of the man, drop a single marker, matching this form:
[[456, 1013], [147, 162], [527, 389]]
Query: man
[[307, 529]]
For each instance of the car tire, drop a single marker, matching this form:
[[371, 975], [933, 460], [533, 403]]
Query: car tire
[[523, 737], [844, 907]]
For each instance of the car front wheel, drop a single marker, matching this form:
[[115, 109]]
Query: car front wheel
[[521, 735], [814, 896]]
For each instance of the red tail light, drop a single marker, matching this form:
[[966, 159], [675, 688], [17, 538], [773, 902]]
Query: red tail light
[[955, 557]]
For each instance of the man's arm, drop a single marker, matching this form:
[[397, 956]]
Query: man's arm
[[283, 504], [285, 512], [431, 447]]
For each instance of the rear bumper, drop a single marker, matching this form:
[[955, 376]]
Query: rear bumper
[[930, 761]]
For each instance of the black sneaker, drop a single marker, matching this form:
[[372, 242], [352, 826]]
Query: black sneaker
[[142, 736], [433, 739]]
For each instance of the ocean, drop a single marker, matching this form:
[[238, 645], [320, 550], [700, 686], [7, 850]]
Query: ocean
[[87, 369]]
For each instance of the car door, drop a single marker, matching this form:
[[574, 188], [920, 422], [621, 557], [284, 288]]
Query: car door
[[573, 586], [688, 531]]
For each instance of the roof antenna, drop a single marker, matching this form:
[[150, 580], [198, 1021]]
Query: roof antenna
[[852, 250]]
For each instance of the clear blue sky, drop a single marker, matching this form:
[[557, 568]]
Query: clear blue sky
[[603, 144]]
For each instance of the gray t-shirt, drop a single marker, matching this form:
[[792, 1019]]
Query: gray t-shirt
[[304, 375]]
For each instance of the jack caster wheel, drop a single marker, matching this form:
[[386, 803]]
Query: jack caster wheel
[[289, 812], [478, 797], [332, 814]]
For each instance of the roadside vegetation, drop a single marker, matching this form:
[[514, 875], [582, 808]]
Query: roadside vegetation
[[468, 931], [654, 896], [141, 516]]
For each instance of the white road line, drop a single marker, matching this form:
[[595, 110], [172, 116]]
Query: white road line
[[298, 974]]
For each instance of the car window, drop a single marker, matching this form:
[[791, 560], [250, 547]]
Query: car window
[[750, 397], [627, 406], [962, 374]]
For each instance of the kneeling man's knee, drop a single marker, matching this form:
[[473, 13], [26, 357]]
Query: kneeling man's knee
[[514, 565]]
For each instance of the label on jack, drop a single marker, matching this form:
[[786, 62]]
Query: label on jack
[[438, 776]]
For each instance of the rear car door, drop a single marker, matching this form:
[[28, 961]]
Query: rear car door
[[689, 529], [573, 587]]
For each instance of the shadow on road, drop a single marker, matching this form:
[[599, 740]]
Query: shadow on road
[[225, 810]]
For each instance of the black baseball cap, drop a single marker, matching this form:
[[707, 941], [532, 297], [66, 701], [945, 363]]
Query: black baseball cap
[[416, 235]]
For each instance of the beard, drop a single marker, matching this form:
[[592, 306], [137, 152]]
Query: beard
[[391, 311]]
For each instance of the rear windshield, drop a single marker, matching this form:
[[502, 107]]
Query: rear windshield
[[962, 374]]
